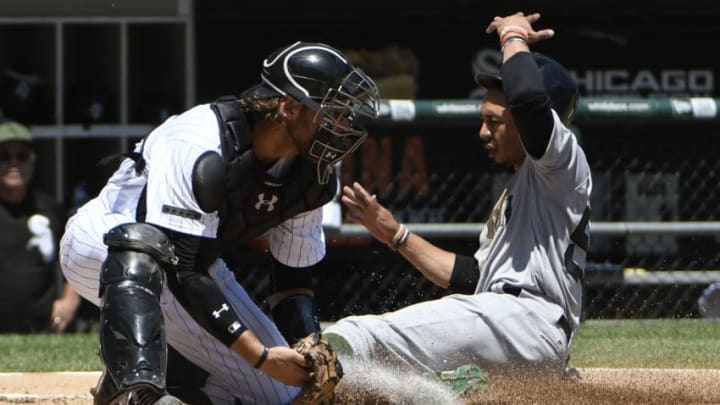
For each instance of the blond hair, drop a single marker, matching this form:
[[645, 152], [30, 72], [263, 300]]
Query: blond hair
[[262, 108]]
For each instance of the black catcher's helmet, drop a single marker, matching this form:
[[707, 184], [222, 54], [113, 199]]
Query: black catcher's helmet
[[323, 79], [560, 86]]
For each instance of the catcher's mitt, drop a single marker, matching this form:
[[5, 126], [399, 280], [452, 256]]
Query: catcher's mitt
[[326, 370]]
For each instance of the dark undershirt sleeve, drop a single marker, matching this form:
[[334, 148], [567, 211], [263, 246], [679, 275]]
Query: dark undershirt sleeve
[[530, 106], [198, 293], [465, 275]]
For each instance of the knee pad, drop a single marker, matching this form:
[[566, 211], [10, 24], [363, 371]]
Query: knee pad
[[338, 343], [142, 238], [132, 329], [296, 315]]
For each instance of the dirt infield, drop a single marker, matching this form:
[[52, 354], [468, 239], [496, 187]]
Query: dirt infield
[[598, 386], [47, 388], [611, 386]]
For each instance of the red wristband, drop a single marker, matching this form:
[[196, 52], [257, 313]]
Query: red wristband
[[514, 28], [512, 34]]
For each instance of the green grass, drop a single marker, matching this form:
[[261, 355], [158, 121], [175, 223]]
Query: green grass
[[69, 352], [646, 343]]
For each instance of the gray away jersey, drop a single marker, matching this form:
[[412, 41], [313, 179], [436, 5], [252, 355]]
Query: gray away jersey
[[531, 239]]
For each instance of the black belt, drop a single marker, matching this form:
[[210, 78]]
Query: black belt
[[563, 322]]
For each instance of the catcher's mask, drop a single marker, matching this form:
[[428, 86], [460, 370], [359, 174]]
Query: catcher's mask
[[323, 79]]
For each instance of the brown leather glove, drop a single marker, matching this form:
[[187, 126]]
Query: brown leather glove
[[325, 370]]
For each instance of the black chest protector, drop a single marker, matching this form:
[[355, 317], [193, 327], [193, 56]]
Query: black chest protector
[[254, 200]]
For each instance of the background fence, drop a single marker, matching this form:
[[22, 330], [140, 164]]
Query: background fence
[[654, 246], [652, 158]]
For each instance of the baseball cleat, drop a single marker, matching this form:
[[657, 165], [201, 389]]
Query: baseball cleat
[[465, 380]]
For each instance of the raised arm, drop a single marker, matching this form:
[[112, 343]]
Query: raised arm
[[523, 81]]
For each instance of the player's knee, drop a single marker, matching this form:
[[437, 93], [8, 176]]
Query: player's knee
[[292, 303], [139, 253], [144, 238], [338, 343], [296, 317]]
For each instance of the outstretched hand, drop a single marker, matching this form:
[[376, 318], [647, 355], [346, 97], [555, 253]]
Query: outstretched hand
[[519, 19], [365, 209]]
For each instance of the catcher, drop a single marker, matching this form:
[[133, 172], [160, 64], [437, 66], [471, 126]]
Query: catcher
[[148, 250]]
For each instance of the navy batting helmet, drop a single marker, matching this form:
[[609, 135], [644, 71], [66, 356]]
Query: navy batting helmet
[[560, 86]]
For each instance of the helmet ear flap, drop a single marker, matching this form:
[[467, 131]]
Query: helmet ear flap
[[560, 86]]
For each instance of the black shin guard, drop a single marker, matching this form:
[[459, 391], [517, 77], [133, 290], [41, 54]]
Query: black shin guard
[[296, 317], [132, 337], [132, 329]]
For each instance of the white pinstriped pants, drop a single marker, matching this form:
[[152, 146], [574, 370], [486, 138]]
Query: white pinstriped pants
[[82, 253]]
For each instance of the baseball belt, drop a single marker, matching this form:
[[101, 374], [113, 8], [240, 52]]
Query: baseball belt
[[563, 322]]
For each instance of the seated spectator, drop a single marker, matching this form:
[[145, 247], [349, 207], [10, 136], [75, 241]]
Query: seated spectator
[[33, 294]]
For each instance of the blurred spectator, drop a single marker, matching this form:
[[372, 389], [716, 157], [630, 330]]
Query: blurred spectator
[[33, 294]]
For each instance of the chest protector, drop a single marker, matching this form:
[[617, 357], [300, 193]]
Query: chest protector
[[254, 200]]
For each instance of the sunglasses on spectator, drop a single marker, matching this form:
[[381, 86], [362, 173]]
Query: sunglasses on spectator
[[21, 156]]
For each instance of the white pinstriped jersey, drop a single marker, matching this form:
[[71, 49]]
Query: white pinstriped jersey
[[525, 242], [170, 151]]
